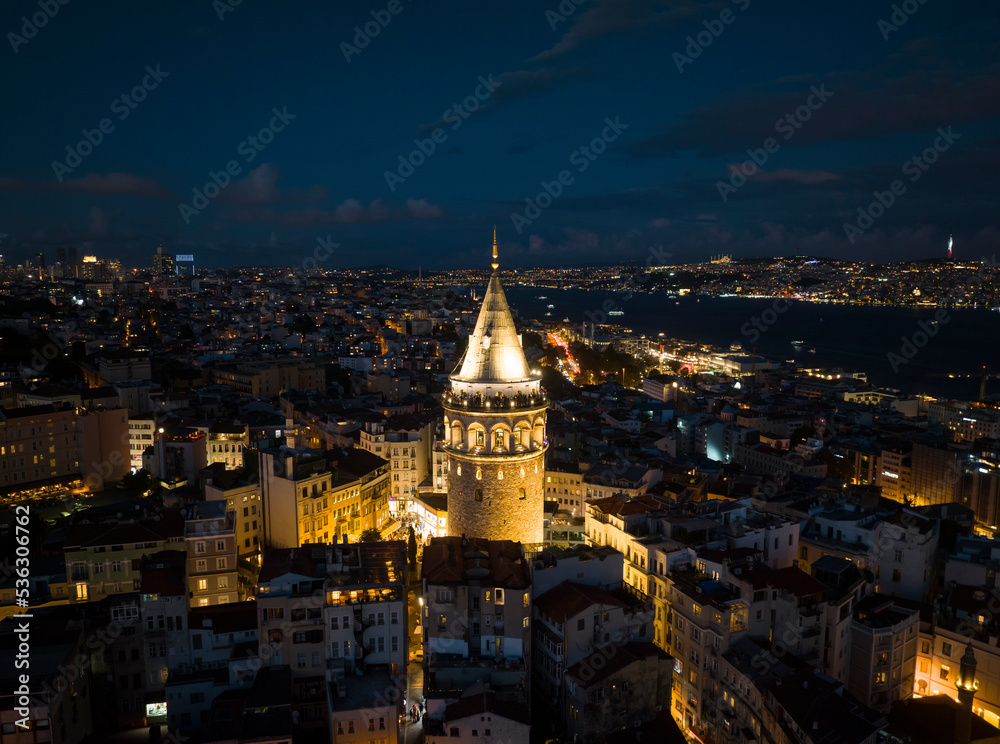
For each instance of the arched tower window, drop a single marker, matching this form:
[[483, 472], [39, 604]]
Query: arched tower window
[[480, 438], [499, 475], [479, 494], [498, 440], [522, 494], [479, 475]]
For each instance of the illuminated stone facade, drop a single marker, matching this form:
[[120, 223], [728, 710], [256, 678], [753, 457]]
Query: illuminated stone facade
[[495, 432]]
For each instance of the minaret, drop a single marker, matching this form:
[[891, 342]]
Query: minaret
[[967, 686], [495, 431]]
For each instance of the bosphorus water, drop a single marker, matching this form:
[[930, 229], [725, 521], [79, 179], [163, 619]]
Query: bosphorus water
[[852, 337]]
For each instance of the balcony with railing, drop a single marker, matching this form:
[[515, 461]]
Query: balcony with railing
[[498, 402]]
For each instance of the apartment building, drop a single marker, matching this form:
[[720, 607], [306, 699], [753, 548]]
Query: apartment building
[[479, 716], [335, 602], [883, 652], [242, 497], [564, 485], [476, 618], [104, 441], [163, 614], [572, 621], [764, 459], [269, 378], [334, 614], [227, 442], [38, 443], [617, 689], [141, 436], [104, 558], [224, 656], [313, 496], [847, 586], [60, 704], [210, 538], [409, 441], [706, 616], [770, 695], [897, 546]]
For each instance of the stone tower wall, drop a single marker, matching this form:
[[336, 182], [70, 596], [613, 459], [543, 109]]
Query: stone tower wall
[[501, 515]]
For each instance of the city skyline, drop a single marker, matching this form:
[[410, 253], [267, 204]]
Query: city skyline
[[587, 132]]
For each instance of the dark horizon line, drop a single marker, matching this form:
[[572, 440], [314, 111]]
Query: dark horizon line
[[564, 267]]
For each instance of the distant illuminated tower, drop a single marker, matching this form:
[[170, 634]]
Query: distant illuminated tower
[[951, 242], [163, 262], [495, 431], [967, 685]]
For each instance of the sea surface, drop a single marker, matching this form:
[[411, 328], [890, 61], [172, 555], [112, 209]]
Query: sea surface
[[852, 337]]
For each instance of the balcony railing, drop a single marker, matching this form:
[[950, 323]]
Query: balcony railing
[[500, 402]]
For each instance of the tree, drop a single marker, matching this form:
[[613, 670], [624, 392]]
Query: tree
[[371, 535], [411, 545], [802, 434], [303, 324]]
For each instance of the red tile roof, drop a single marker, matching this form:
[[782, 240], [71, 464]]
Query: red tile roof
[[302, 561], [447, 561], [486, 702]]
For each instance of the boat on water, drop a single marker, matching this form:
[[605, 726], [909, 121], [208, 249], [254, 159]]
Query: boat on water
[[549, 314], [542, 297], [812, 351], [550, 306], [797, 343], [616, 312]]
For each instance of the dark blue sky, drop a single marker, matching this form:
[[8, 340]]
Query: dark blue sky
[[657, 182]]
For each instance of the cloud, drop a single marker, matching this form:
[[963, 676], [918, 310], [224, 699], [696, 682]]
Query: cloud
[[100, 222], [618, 16], [349, 212], [421, 209], [790, 174], [601, 18], [512, 86], [260, 186], [111, 184], [861, 106]]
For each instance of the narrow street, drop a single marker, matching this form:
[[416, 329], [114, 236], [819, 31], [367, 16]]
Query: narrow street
[[413, 733]]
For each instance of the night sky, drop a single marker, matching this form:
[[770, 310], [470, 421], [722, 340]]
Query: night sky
[[507, 94]]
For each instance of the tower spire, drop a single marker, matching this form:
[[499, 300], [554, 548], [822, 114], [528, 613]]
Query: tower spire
[[496, 263]]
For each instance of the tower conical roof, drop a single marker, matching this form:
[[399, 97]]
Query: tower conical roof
[[494, 353]]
